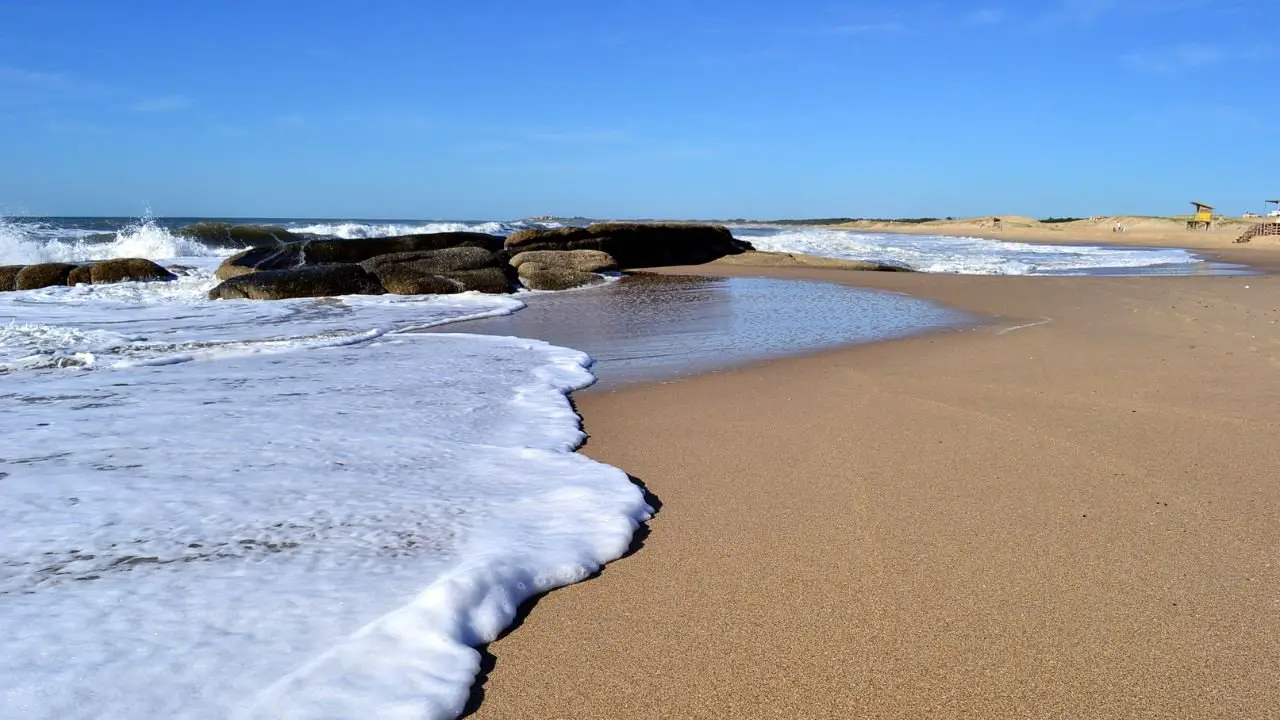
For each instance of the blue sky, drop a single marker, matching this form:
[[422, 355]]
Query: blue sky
[[637, 108]]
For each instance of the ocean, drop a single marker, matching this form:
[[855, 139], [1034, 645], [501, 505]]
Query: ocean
[[311, 508]]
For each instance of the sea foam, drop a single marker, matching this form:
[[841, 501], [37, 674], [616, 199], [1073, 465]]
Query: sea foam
[[965, 255], [294, 509], [23, 243]]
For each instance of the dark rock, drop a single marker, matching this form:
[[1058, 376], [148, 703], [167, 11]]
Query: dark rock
[[82, 275], [445, 260], [538, 236], [537, 276], [485, 280], [325, 252], [231, 235], [355, 251], [310, 281], [637, 245], [406, 280], [280, 257], [126, 269], [9, 276], [589, 261], [43, 275]]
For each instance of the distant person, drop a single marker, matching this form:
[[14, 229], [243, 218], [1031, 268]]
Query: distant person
[[1118, 228]]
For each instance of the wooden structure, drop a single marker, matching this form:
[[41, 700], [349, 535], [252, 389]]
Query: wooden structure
[[1202, 219], [1270, 225]]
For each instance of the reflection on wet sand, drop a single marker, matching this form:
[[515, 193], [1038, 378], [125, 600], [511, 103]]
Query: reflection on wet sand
[[647, 328]]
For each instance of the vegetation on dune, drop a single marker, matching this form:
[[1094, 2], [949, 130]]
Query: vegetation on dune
[[1056, 220]]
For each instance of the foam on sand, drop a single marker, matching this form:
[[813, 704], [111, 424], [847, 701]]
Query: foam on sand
[[294, 509], [967, 255]]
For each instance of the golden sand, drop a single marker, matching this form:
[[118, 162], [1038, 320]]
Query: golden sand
[[1071, 513]]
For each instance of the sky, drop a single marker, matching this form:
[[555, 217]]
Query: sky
[[496, 109]]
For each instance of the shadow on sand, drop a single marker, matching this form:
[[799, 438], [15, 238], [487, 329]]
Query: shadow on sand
[[488, 660]]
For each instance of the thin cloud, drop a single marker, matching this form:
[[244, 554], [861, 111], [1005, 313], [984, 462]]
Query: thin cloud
[[1203, 119], [585, 137], [167, 103], [1080, 13], [38, 79], [497, 147], [985, 16], [1175, 59], [75, 127], [1190, 56], [863, 29], [230, 131]]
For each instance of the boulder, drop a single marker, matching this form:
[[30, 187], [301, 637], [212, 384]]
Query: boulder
[[590, 261], [280, 257], [406, 280], [127, 269], [9, 276], [445, 260], [82, 275], [43, 275], [355, 251], [561, 236], [310, 281], [637, 245], [537, 276], [485, 280], [325, 252], [440, 271], [231, 235], [781, 259]]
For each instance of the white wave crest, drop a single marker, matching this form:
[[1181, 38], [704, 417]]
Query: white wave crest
[[964, 255], [353, 230], [26, 243]]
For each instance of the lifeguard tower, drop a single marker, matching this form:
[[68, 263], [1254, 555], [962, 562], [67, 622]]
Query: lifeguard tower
[[1203, 217]]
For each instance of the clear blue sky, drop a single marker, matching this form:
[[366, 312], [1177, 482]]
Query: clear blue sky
[[637, 108]]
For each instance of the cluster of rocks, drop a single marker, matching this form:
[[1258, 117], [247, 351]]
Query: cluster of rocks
[[441, 263], [42, 275]]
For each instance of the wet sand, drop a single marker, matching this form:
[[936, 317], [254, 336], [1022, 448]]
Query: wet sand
[[649, 328], [1072, 512]]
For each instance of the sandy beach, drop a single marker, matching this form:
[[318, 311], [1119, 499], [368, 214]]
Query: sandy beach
[[1069, 512], [1138, 231]]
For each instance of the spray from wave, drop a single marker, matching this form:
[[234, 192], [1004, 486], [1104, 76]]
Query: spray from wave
[[352, 230], [24, 243]]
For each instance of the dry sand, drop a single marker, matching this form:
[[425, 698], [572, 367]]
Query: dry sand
[[1072, 513], [1139, 231]]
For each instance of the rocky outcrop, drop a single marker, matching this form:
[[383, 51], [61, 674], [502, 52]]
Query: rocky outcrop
[[9, 276], [82, 275], [406, 280], [325, 252], [485, 280], [780, 259], [449, 270], [303, 282], [232, 235], [127, 269], [589, 261], [636, 245], [43, 275], [537, 276], [446, 260]]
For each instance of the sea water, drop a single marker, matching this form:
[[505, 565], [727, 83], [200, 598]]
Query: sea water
[[977, 256]]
